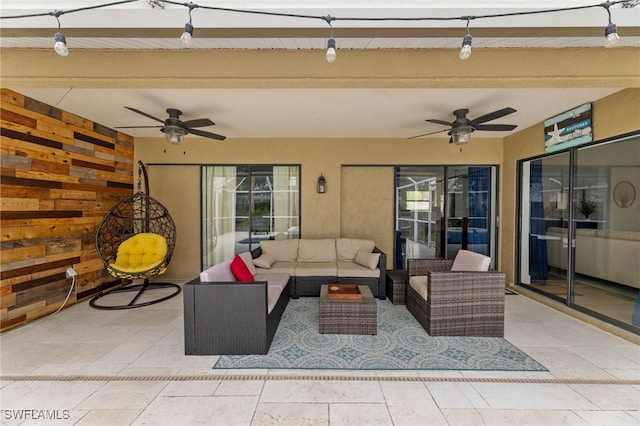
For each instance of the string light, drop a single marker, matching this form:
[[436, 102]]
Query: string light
[[331, 43], [611, 32], [465, 51], [187, 35], [60, 44]]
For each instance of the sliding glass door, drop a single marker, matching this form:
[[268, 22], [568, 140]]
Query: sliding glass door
[[243, 205], [579, 239], [545, 207], [443, 209], [471, 210]]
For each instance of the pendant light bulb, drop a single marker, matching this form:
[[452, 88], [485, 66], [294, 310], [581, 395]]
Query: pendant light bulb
[[331, 50], [465, 52], [60, 45], [187, 35], [611, 34]]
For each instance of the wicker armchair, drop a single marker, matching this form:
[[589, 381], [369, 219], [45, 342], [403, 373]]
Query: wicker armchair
[[457, 303]]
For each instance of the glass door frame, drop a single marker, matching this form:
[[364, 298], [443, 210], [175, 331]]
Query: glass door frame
[[571, 249], [440, 200]]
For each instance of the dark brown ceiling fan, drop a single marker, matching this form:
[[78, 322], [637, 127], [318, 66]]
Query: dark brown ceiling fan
[[461, 128], [174, 128]]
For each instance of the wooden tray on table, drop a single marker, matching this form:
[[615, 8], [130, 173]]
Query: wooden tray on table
[[344, 292]]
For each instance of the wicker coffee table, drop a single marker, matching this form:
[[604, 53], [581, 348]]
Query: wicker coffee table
[[344, 316]]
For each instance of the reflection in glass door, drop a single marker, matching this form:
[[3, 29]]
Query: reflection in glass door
[[243, 205], [424, 193], [471, 210], [419, 204], [579, 236]]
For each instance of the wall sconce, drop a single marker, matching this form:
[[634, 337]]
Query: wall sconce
[[321, 187]]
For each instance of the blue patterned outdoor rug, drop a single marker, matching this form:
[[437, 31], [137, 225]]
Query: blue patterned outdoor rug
[[401, 344]]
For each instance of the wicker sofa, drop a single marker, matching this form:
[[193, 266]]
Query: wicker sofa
[[223, 316], [314, 262], [455, 303]]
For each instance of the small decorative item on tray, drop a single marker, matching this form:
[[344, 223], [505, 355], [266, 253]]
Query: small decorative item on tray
[[344, 291]]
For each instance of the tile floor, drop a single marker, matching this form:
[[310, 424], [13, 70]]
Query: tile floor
[[91, 367]]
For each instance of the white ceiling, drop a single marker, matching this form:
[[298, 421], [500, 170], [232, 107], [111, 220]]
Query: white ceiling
[[277, 113], [348, 113]]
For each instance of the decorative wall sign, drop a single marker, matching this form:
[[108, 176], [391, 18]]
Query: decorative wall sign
[[571, 128], [624, 194]]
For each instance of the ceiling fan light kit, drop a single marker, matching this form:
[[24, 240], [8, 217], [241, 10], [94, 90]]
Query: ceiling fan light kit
[[461, 135], [174, 128], [174, 134], [461, 128]]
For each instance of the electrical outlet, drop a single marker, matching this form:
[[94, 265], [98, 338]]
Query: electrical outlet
[[71, 272]]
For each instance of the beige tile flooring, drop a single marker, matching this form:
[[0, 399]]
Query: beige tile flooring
[[126, 367]]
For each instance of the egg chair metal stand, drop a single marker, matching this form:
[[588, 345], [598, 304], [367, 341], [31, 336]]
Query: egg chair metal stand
[[132, 217]]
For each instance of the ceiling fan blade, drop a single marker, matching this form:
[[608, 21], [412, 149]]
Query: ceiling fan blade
[[496, 127], [138, 127], [444, 123], [145, 114], [427, 134], [200, 122], [207, 134], [492, 115]]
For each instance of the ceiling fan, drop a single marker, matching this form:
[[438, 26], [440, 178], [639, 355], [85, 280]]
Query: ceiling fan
[[461, 128], [174, 128]]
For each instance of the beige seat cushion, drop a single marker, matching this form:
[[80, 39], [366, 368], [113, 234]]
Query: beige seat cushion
[[420, 283], [470, 261], [319, 269], [280, 268], [349, 268], [278, 280]]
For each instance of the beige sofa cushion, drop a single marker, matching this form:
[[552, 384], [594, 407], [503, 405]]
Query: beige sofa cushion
[[248, 260], [470, 261], [220, 272], [347, 248], [280, 268], [367, 259], [420, 283], [281, 250], [316, 269], [320, 250], [349, 268], [264, 261], [278, 280]]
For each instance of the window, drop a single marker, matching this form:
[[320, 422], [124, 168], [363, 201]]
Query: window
[[245, 204]]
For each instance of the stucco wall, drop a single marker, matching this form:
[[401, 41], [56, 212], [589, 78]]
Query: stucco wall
[[613, 115], [321, 213]]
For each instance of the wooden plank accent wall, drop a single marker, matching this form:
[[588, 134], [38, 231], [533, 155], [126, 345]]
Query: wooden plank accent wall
[[60, 176]]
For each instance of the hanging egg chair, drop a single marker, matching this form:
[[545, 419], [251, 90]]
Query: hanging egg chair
[[135, 241]]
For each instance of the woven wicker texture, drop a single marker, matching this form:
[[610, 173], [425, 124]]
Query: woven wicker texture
[[135, 214], [459, 303], [348, 316], [397, 286]]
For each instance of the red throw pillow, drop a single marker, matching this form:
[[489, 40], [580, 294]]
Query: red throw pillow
[[240, 270]]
